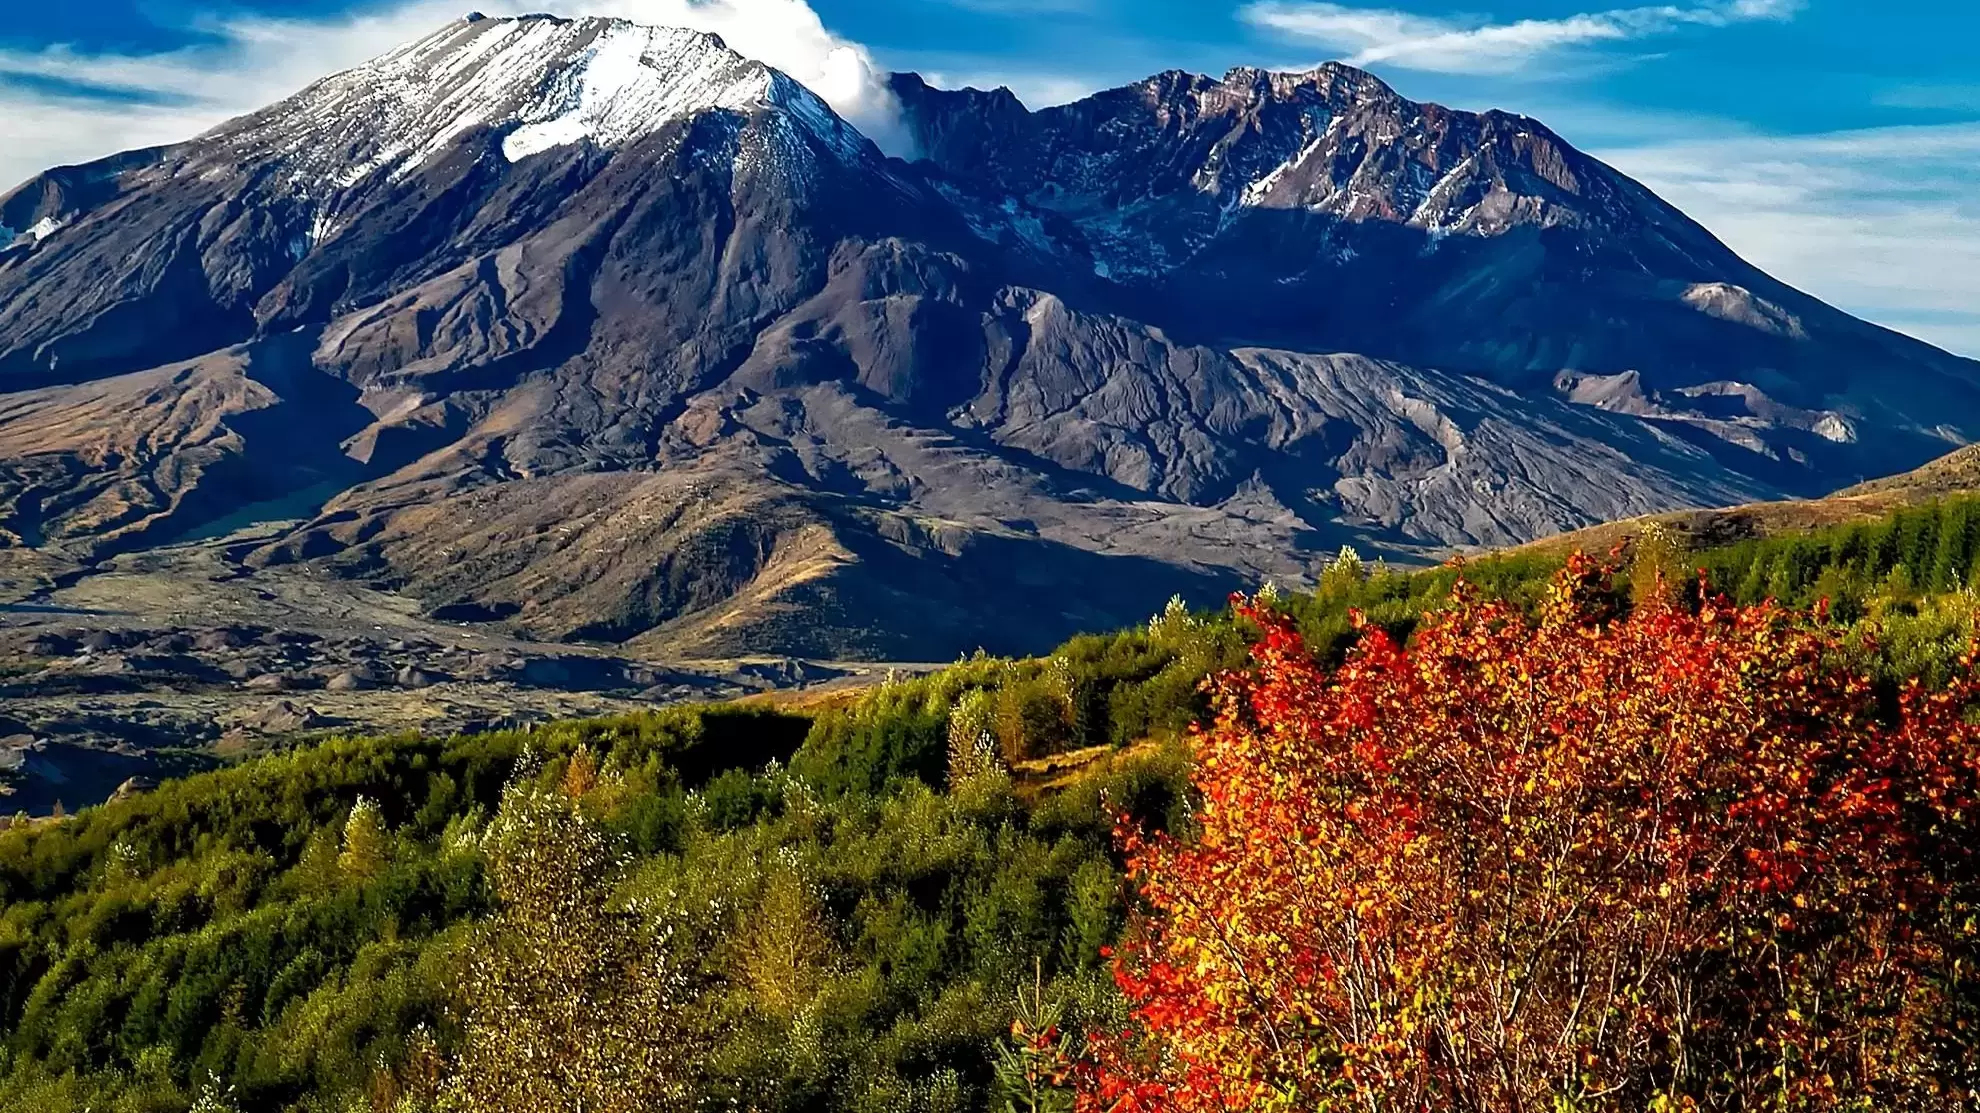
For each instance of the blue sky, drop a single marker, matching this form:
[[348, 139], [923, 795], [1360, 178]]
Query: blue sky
[[1834, 142]]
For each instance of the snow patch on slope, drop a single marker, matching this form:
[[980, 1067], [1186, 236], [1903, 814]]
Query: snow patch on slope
[[631, 80], [41, 230]]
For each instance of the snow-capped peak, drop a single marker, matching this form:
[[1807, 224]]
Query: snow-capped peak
[[630, 78], [548, 82]]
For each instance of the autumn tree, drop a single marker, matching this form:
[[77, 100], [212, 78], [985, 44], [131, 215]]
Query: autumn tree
[[784, 948], [972, 737], [1656, 564], [581, 773], [1671, 861]]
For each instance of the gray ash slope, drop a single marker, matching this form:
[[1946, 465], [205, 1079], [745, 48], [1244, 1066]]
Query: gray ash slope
[[1323, 211], [600, 331]]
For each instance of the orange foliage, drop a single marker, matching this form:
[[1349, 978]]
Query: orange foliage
[[1671, 861]]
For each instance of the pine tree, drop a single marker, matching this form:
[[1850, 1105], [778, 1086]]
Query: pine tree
[[1034, 1067], [1918, 540], [1753, 586], [1344, 573], [1955, 547], [1781, 580], [1174, 622], [367, 844]]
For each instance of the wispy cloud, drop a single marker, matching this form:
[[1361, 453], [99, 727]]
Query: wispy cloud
[[1036, 88], [1947, 98], [59, 105], [1027, 7], [1884, 223], [1368, 36]]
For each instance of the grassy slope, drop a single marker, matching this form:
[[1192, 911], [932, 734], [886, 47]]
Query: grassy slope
[[1956, 473]]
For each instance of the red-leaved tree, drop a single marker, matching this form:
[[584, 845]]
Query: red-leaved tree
[[1677, 860]]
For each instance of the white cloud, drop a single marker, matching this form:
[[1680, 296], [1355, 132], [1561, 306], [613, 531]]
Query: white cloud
[[1884, 223], [1369, 36], [254, 61]]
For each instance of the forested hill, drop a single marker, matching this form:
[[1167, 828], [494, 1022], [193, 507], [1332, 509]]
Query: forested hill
[[736, 906]]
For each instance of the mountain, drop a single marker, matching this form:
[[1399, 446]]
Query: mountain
[[599, 331], [1322, 211]]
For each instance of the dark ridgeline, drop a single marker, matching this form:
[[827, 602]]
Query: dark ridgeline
[[690, 363]]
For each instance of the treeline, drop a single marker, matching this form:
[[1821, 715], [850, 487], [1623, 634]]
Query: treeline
[[1905, 585], [1899, 560]]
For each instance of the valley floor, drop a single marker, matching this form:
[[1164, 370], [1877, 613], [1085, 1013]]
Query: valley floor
[[174, 659]]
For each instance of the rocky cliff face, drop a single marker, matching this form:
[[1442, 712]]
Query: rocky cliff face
[[601, 331], [1322, 211]]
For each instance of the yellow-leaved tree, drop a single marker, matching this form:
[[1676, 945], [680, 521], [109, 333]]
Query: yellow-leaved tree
[[571, 1002]]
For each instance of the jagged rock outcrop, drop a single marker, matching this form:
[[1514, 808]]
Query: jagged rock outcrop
[[1322, 211]]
